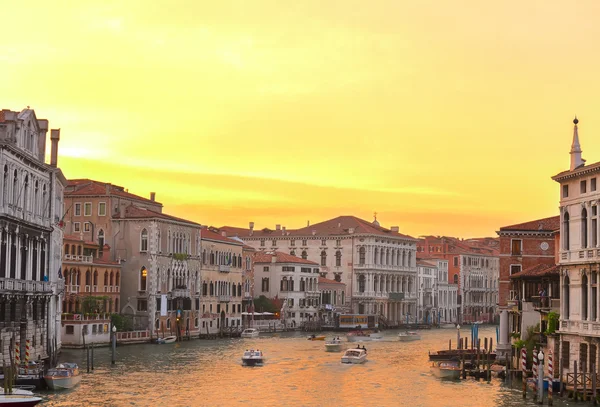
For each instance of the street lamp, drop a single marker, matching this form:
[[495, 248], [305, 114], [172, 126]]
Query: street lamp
[[541, 376], [457, 336], [114, 343]]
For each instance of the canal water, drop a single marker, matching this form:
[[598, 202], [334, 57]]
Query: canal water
[[297, 372]]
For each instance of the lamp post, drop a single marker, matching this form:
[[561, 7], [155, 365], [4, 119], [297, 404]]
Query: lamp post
[[457, 335], [540, 376], [114, 343]]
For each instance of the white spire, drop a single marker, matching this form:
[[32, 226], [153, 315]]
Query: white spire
[[576, 160]]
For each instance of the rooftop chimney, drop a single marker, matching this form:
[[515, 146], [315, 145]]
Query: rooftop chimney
[[224, 233], [54, 138], [314, 232], [283, 229], [395, 229], [251, 225], [153, 196], [350, 230], [274, 258], [277, 227], [107, 188]]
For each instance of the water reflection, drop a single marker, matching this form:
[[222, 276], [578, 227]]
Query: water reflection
[[297, 372]]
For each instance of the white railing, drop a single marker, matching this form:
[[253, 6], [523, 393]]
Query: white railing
[[11, 284], [95, 288], [224, 298], [74, 288], [224, 268], [88, 289], [78, 257]]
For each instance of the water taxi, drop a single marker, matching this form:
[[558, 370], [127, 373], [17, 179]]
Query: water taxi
[[364, 336], [167, 340], [21, 396], [449, 369], [250, 333], [252, 358], [355, 356], [316, 338], [64, 376], [409, 336], [334, 345]]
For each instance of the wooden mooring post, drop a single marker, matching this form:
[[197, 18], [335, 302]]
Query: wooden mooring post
[[464, 371], [575, 380], [583, 371], [594, 401]]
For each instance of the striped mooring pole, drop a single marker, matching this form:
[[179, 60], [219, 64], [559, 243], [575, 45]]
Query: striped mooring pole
[[535, 373], [18, 354], [550, 377], [27, 353], [524, 370]]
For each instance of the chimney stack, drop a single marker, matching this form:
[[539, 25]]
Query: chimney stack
[[54, 138], [283, 229], [153, 196], [277, 227], [224, 233], [395, 229], [314, 232], [107, 188], [251, 225]]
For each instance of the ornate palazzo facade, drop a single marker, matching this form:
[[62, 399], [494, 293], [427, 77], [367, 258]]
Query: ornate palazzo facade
[[31, 206]]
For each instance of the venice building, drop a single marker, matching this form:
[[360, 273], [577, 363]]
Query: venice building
[[31, 209]]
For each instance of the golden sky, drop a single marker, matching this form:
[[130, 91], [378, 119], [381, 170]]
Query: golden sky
[[445, 117]]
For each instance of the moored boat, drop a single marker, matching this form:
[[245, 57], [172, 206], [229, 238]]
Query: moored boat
[[64, 376], [19, 400], [355, 356], [364, 336], [409, 336], [457, 353], [250, 333], [449, 369], [252, 357], [448, 326], [166, 340], [334, 345]]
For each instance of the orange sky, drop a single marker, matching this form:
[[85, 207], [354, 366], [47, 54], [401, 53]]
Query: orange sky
[[445, 117]]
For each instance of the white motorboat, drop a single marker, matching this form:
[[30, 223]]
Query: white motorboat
[[64, 376], [409, 336], [250, 333], [334, 345], [167, 340], [447, 369], [19, 400], [364, 336], [252, 358], [355, 356]]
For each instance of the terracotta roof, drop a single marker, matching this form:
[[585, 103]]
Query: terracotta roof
[[426, 263], [583, 170], [457, 246], [537, 271], [339, 226], [88, 187], [323, 280], [1, 116], [207, 233], [267, 257], [551, 224], [135, 212]]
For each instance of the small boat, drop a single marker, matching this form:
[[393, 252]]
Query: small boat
[[19, 400], [355, 356], [364, 336], [316, 338], [449, 369], [409, 336], [250, 333], [252, 358], [445, 355], [64, 376], [334, 345], [168, 339]]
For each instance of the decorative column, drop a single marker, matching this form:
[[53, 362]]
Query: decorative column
[[589, 295]]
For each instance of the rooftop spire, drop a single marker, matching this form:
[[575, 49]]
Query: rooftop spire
[[576, 160]]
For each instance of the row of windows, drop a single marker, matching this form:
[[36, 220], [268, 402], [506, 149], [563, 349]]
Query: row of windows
[[21, 193], [338, 242], [582, 187], [22, 257], [87, 209], [73, 277]]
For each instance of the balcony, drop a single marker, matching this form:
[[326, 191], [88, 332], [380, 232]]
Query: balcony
[[180, 292], [73, 289], [396, 296], [224, 298], [78, 258], [224, 268], [11, 284]]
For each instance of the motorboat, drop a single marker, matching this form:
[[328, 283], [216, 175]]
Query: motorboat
[[334, 345], [64, 376], [364, 336], [449, 369], [450, 354], [21, 396], [252, 357], [167, 340], [409, 336], [355, 356], [29, 375], [316, 338], [250, 333]]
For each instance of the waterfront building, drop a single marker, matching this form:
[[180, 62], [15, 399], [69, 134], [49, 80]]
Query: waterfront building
[[31, 209], [333, 299], [223, 270], [378, 265], [528, 264], [437, 298], [579, 259], [474, 266], [291, 279]]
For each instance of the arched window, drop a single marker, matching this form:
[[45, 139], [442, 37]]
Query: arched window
[[362, 252], [323, 258], [144, 241], [26, 194], [117, 277], [304, 254], [5, 186], [88, 278], [15, 190], [36, 198], [239, 260], [212, 258], [376, 256], [584, 229], [361, 283], [101, 239], [106, 278], [143, 277], [566, 243], [566, 298], [338, 258], [45, 206], [212, 288], [584, 297], [292, 253], [291, 286], [95, 277], [302, 285]]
